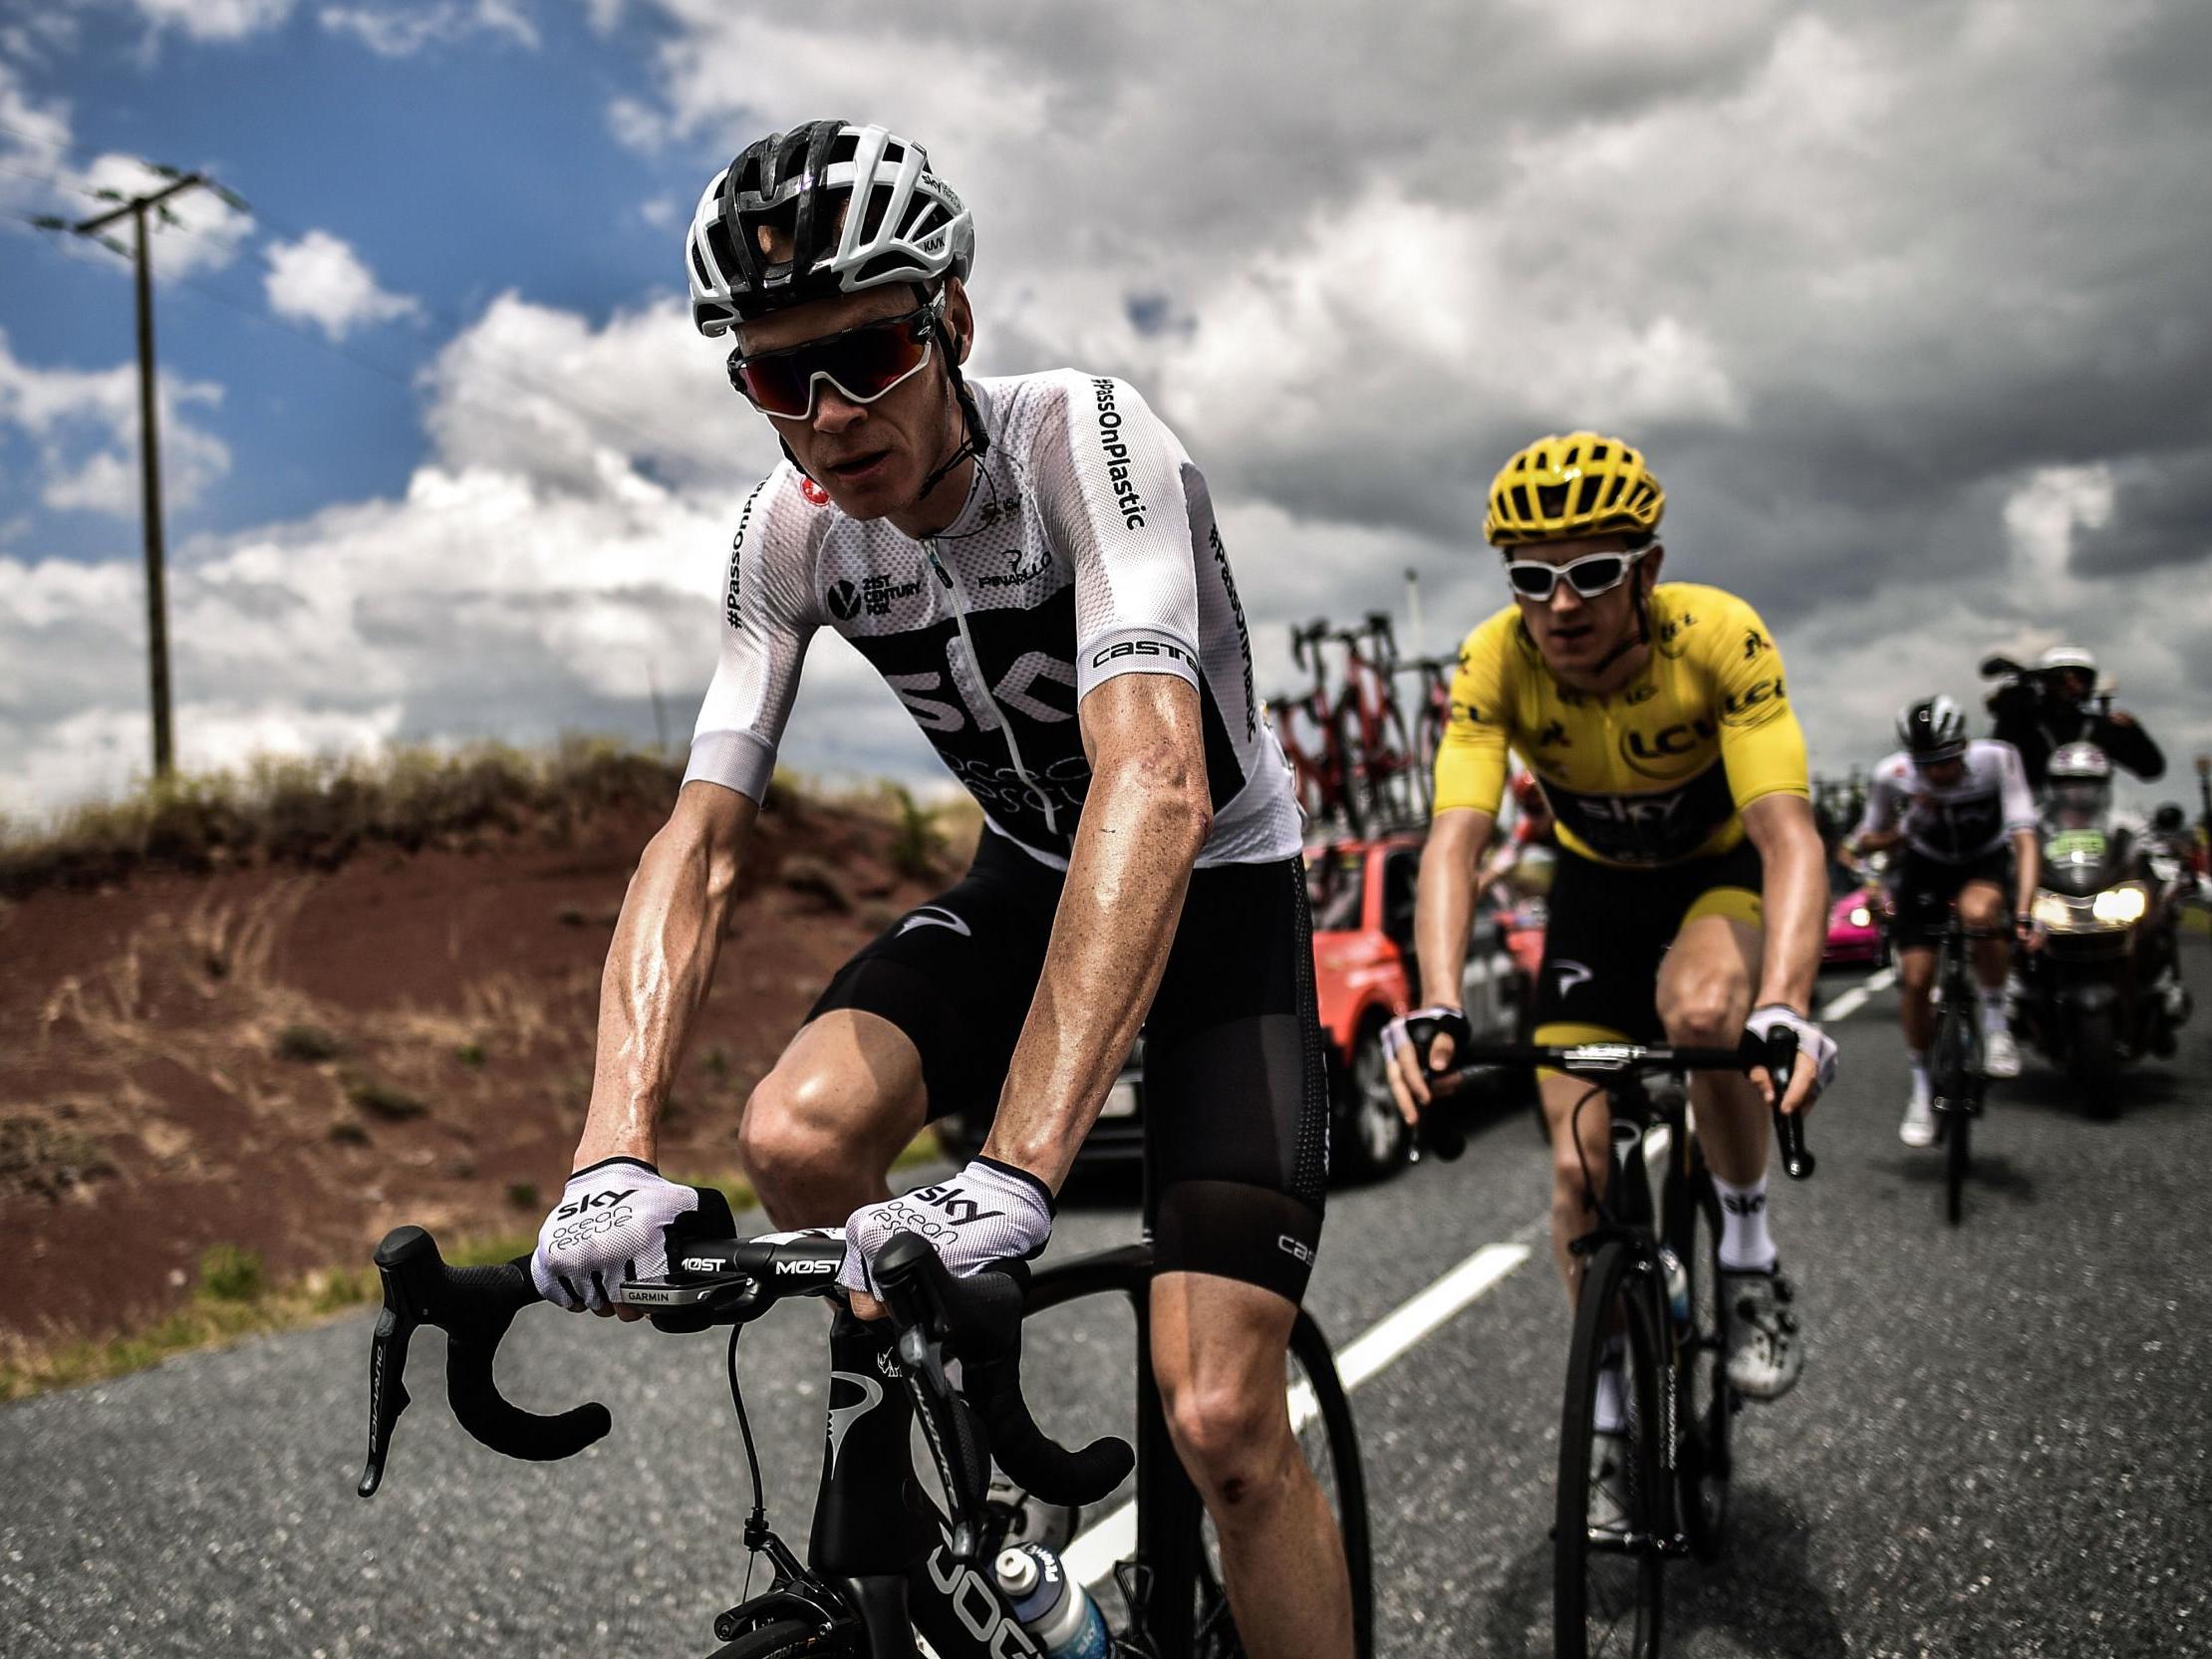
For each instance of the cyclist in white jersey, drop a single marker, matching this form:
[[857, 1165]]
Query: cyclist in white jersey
[[1962, 810], [1031, 563]]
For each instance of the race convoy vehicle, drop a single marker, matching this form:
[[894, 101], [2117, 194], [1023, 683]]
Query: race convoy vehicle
[[1362, 894], [1855, 932]]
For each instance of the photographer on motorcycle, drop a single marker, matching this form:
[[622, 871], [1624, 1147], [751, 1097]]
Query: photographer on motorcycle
[[2040, 710]]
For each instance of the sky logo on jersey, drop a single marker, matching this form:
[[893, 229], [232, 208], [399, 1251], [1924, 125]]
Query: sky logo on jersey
[[1127, 500]]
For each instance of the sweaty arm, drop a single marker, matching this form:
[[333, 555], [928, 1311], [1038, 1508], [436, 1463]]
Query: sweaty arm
[[1144, 820], [659, 966], [677, 907]]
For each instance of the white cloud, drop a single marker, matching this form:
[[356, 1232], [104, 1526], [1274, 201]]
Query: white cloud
[[319, 279], [83, 424], [216, 19], [401, 31]]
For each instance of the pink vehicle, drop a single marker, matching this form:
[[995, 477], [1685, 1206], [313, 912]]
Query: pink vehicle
[[1855, 935]]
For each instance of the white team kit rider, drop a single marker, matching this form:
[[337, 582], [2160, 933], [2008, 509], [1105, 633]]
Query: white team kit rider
[[1962, 809], [1031, 563]]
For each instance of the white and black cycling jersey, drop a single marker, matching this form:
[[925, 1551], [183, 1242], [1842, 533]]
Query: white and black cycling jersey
[[1955, 822], [1086, 550]]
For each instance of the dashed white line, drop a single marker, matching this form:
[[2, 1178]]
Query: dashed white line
[[1090, 1557], [1850, 1001]]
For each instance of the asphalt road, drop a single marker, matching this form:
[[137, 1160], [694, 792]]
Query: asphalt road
[[2002, 1444]]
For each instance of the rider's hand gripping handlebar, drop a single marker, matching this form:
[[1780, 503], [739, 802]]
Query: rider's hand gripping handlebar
[[473, 1306]]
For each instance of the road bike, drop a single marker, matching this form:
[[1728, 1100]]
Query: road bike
[[887, 1558], [1431, 718], [1651, 1284], [1958, 1076], [1313, 738], [1382, 765]]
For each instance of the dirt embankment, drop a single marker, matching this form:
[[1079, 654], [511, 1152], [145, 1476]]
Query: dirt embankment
[[292, 1060]]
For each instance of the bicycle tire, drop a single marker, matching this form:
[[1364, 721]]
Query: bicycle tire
[[785, 1639], [1954, 1084], [1705, 1405], [1393, 792], [1617, 1290], [1352, 768], [1128, 1272], [1428, 738]]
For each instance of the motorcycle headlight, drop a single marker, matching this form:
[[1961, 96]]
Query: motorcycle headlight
[[2117, 906], [2049, 909], [1861, 917]]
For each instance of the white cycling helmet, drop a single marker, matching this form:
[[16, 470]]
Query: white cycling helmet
[[802, 185], [2080, 761], [2063, 656]]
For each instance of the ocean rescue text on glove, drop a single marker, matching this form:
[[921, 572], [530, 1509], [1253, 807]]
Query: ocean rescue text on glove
[[988, 1213], [617, 1219]]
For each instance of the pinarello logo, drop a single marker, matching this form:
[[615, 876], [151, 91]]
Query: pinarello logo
[[813, 491]]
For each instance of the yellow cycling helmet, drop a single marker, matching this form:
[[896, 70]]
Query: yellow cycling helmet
[[1582, 484]]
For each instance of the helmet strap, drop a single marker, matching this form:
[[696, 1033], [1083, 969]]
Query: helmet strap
[[975, 442], [1641, 637]]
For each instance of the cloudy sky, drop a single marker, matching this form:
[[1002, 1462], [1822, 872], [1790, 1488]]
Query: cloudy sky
[[1906, 300]]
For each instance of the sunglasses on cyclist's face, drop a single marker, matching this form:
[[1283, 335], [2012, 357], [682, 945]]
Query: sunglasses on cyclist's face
[[862, 363], [1589, 576]]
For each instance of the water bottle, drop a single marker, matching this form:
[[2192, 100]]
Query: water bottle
[[1051, 1606], [1678, 1287]]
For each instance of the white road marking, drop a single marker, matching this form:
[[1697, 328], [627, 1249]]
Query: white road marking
[[1091, 1556], [1850, 1001]]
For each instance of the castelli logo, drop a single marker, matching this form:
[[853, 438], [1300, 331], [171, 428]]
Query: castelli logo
[[813, 491]]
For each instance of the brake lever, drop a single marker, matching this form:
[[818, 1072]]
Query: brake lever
[[1778, 1054], [473, 1306]]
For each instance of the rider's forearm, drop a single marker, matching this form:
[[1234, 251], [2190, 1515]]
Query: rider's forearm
[[657, 972], [2028, 868], [1794, 899], [1444, 907], [1145, 818]]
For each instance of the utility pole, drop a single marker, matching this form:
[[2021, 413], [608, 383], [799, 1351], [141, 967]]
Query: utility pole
[[150, 443]]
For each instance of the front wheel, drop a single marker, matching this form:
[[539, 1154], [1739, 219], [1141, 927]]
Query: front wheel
[[1612, 1509], [1705, 1405], [1958, 1135], [2094, 1062], [785, 1639]]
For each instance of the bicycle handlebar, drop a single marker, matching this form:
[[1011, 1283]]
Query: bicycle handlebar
[[1447, 1138], [977, 1321], [473, 1306]]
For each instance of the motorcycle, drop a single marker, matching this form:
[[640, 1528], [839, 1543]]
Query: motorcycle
[[2104, 987]]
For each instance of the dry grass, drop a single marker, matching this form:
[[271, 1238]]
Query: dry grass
[[232, 1300], [318, 812]]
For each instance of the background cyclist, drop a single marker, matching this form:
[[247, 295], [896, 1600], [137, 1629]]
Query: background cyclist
[[1031, 563], [1963, 811], [1657, 718]]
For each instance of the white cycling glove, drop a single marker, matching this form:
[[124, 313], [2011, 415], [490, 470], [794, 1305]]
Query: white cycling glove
[[615, 1221], [1813, 1044], [988, 1213]]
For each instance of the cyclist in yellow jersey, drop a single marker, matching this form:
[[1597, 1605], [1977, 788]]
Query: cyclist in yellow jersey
[[1689, 899]]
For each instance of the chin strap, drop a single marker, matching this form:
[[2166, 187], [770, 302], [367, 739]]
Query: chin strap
[[973, 440], [1642, 635]]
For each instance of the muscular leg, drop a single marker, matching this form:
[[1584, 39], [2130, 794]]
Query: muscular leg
[[1218, 1350], [1982, 905], [1916, 967], [1705, 992], [820, 1131], [1571, 1216]]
